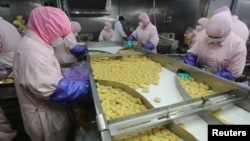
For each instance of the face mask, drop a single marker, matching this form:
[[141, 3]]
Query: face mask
[[140, 24], [198, 27], [105, 27], [57, 42], [215, 40]]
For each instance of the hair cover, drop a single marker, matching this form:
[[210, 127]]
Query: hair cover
[[203, 22], [144, 18], [75, 27], [49, 23], [221, 9], [219, 25], [108, 24]]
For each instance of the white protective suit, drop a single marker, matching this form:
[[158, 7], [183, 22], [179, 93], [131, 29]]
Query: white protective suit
[[9, 38], [119, 32], [6, 133], [143, 35], [230, 54]]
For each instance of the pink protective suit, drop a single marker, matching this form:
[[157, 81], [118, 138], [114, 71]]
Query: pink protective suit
[[229, 54], [147, 32], [6, 133], [37, 73], [9, 38], [62, 52], [240, 28], [108, 33]]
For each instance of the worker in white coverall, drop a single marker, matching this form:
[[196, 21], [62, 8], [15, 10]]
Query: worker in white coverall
[[119, 32], [9, 38], [222, 52], [146, 34], [238, 27], [41, 89], [65, 53], [107, 34]]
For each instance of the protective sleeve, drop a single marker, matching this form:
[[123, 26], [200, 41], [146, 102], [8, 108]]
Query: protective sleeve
[[70, 90], [79, 50], [225, 74], [190, 58]]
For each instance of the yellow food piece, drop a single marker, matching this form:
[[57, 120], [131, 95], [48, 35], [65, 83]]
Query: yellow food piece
[[134, 71], [116, 102], [157, 100], [195, 89], [126, 50]]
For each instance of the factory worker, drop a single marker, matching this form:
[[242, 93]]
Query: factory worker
[[41, 89], [240, 28], [221, 52], [65, 53], [119, 32], [107, 34], [146, 34], [9, 38], [200, 29]]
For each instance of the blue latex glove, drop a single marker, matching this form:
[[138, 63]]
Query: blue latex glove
[[149, 46], [225, 74], [190, 59], [70, 90], [131, 38], [79, 49]]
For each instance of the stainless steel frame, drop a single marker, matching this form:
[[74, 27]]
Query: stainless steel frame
[[229, 92]]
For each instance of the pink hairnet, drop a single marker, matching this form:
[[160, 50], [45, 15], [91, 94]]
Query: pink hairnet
[[108, 24], [49, 23], [203, 22], [75, 27], [219, 25], [144, 18], [221, 9]]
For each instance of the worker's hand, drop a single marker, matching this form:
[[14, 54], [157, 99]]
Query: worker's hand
[[79, 50], [190, 59], [70, 90], [149, 46], [131, 38], [225, 74]]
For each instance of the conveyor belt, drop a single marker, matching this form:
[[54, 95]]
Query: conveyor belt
[[170, 94]]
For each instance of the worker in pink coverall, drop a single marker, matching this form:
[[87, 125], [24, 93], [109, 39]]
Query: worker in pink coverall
[[222, 52], [107, 34], [42, 90], [146, 34]]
